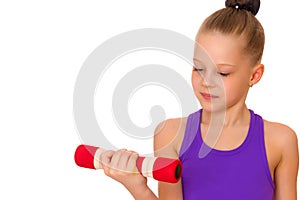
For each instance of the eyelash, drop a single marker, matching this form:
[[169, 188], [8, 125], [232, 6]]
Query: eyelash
[[198, 69], [224, 74]]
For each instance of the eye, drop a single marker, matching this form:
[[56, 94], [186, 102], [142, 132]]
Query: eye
[[198, 69], [224, 74]]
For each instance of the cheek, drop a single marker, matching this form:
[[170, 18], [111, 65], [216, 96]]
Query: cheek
[[195, 80], [235, 89]]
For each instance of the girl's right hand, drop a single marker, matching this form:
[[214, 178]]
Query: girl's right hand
[[121, 166]]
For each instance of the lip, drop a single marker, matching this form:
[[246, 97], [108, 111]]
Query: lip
[[208, 96]]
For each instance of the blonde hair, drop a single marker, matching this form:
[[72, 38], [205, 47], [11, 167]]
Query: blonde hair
[[238, 18]]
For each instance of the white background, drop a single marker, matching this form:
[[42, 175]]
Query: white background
[[42, 47]]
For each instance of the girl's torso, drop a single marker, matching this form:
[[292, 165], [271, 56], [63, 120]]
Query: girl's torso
[[241, 161]]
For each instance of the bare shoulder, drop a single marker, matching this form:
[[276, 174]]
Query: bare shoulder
[[279, 134], [168, 136], [281, 144]]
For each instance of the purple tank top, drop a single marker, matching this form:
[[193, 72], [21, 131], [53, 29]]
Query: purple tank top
[[238, 174]]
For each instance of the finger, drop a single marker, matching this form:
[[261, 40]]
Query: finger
[[105, 158], [115, 159], [123, 161], [132, 162]]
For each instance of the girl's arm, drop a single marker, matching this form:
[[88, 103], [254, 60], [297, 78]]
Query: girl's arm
[[121, 165], [167, 141], [286, 171]]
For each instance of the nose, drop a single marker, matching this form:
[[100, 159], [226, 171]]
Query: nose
[[209, 79]]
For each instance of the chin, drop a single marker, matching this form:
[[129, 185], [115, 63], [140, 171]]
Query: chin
[[213, 106]]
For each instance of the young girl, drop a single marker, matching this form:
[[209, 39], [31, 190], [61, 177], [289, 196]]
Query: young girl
[[248, 158]]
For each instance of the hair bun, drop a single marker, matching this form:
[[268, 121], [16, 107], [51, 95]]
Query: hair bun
[[250, 5]]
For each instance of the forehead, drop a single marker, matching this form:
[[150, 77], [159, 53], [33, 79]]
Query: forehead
[[220, 48]]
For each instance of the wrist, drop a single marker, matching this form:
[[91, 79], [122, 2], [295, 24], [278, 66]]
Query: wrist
[[142, 192]]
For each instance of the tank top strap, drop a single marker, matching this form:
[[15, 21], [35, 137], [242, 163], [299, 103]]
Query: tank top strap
[[192, 128], [259, 140], [256, 131], [258, 124]]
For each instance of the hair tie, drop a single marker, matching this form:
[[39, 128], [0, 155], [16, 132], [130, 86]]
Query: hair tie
[[244, 7], [248, 5]]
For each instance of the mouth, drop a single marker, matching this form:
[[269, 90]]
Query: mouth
[[207, 96]]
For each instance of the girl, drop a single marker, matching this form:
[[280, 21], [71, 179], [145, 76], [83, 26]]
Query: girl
[[248, 157]]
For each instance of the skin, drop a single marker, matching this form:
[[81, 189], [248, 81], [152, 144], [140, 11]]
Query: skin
[[220, 83]]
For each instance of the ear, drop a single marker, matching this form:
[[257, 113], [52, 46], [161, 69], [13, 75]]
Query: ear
[[257, 73]]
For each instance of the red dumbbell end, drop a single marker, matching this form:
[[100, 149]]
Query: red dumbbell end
[[84, 156]]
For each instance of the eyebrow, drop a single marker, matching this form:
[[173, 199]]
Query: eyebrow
[[221, 64], [225, 65], [198, 61]]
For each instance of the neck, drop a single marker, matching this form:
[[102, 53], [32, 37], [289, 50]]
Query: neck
[[229, 117]]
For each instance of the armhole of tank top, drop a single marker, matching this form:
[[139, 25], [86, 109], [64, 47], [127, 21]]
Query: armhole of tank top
[[264, 153], [189, 133]]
